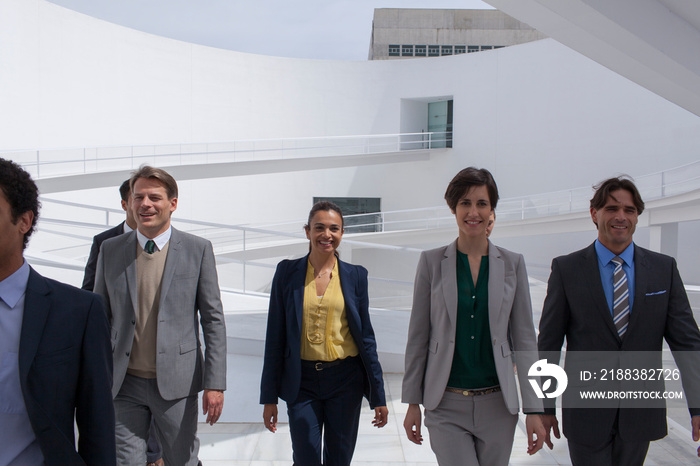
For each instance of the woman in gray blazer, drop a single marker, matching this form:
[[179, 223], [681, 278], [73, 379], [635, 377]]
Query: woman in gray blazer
[[471, 313]]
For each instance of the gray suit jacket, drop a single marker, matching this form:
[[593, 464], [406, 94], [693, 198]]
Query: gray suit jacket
[[190, 286], [432, 328]]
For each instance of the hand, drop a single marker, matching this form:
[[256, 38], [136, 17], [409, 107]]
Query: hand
[[270, 417], [212, 405], [381, 416], [534, 425], [550, 423], [411, 424], [695, 422]]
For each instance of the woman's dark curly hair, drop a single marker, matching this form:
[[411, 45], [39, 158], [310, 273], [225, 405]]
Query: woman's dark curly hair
[[20, 191]]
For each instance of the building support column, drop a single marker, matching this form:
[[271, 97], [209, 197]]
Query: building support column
[[664, 238]]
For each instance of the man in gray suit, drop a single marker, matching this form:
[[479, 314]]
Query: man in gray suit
[[614, 297], [158, 285]]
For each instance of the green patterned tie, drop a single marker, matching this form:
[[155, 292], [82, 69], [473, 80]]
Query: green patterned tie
[[150, 246]]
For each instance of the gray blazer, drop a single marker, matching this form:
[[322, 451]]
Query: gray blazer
[[432, 328], [190, 286]]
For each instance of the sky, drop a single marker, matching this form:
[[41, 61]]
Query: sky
[[320, 29]]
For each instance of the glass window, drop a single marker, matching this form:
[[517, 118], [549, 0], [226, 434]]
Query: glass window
[[498, 46], [446, 50], [361, 214], [472, 48], [486, 47], [393, 50], [433, 50], [459, 49], [406, 50], [420, 50]]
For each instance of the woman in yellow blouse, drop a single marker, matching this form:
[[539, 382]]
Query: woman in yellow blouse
[[320, 350]]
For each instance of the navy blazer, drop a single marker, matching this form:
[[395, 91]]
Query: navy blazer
[[91, 264], [281, 376], [576, 308], [65, 371]]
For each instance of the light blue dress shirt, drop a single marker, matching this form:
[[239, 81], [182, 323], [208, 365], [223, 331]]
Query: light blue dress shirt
[[607, 269], [18, 444]]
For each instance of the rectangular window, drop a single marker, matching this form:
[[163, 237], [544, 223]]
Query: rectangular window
[[433, 50], [361, 214], [486, 47], [394, 50], [420, 50], [460, 49], [446, 50], [406, 50], [472, 48]]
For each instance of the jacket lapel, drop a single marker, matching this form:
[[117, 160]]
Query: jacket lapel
[[36, 310], [590, 270], [129, 266], [171, 264], [347, 283], [448, 269], [497, 274], [642, 278], [297, 280]]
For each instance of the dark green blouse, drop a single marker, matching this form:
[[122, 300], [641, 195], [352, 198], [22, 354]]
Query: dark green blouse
[[473, 366]]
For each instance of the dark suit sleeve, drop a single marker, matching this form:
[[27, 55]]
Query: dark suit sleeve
[[369, 342], [91, 265], [275, 340], [554, 322], [683, 337], [94, 412]]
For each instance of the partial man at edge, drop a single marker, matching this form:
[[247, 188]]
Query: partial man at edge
[[54, 340]]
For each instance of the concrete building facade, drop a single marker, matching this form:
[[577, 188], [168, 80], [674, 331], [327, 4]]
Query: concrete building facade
[[409, 32]]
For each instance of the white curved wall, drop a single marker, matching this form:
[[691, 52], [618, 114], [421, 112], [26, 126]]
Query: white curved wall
[[539, 115]]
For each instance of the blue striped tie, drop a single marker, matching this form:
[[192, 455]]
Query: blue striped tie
[[621, 297]]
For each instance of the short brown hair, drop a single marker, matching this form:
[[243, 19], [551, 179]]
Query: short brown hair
[[146, 171], [469, 178], [604, 188]]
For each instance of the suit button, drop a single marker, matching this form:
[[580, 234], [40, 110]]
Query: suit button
[[127, 353], [133, 322]]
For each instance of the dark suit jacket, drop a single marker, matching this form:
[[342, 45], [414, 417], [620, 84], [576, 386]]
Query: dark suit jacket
[[65, 367], [91, 265], [281, 375], [576, 308]]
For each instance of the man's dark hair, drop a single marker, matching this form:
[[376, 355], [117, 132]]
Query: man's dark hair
[[21, 193], [604, 188], [469, 178], [125, 190]]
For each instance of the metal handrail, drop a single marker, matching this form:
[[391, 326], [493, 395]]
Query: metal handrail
[[49, 163]]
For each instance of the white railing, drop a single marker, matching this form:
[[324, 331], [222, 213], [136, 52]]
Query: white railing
[[247, 255], [48, 163]]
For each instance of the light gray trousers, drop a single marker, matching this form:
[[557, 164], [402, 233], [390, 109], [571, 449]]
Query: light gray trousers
[[471, 430], [175, 422]]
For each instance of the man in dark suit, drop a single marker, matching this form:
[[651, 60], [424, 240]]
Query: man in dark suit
[[620, 299], [125, 227], [56, 364], [153, 453], [160, 285]]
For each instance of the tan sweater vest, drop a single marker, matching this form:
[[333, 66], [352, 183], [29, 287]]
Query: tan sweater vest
[[149, 276]]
